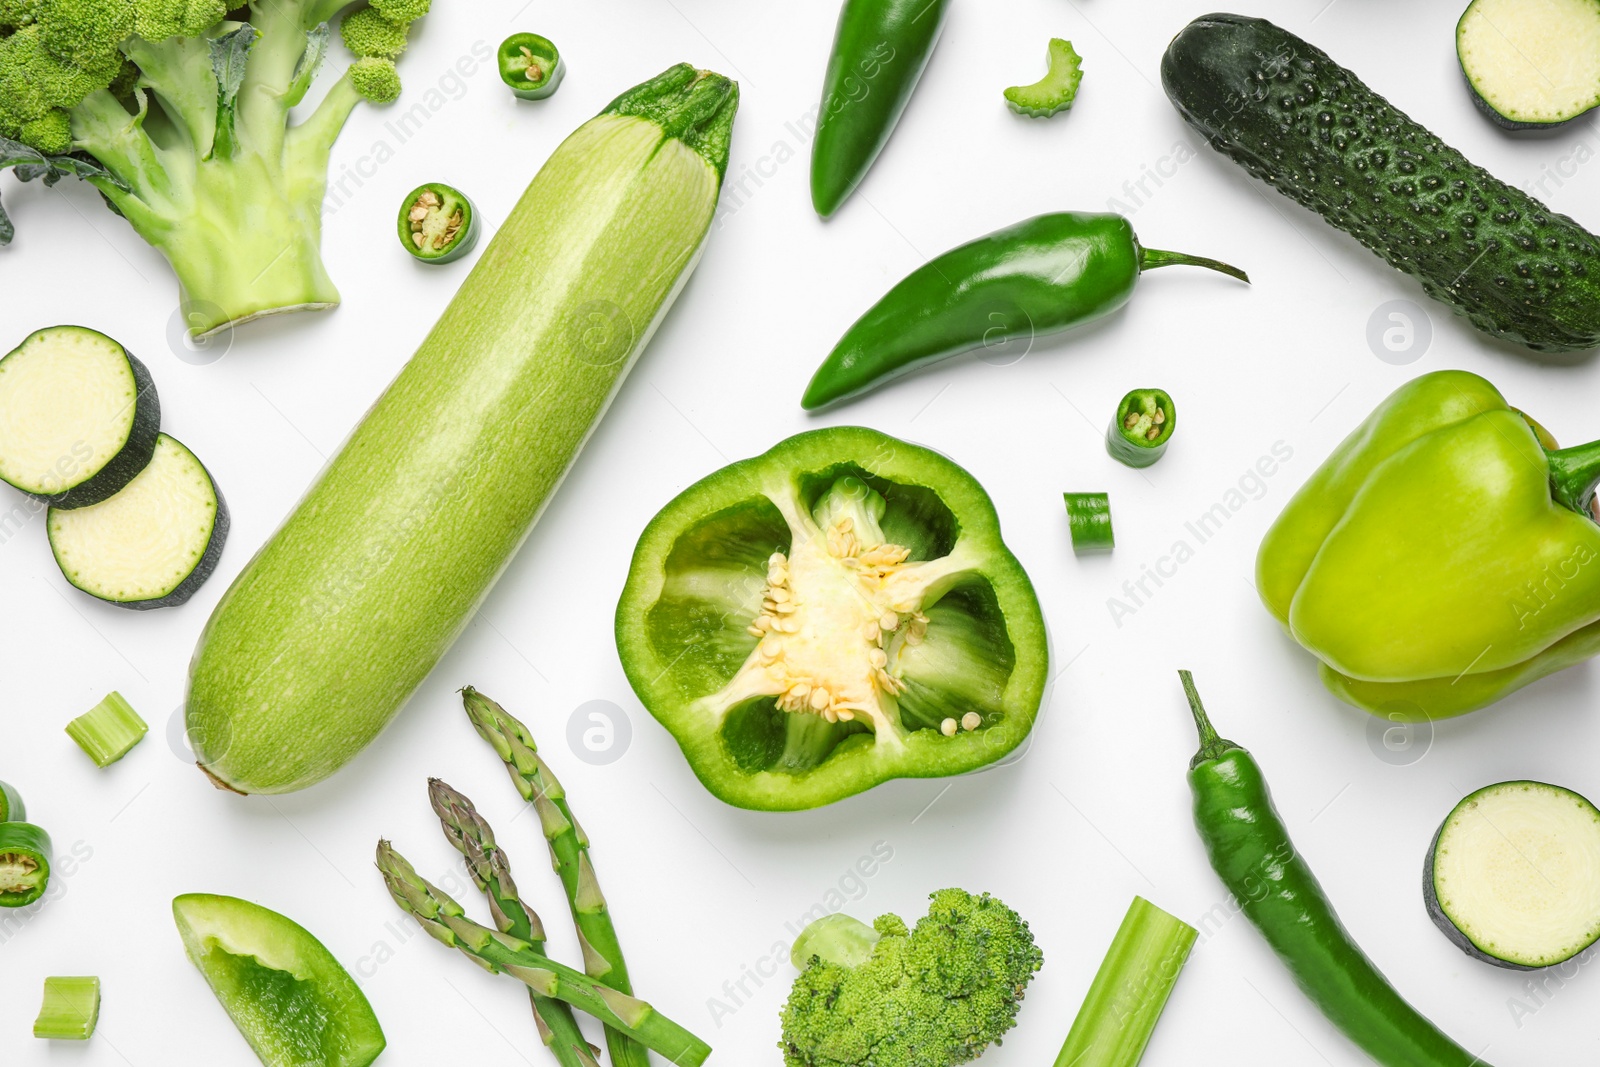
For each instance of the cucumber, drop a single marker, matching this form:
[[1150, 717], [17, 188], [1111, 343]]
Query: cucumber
[[1531, 64], [1513, 875], [1308, 127], [347, 608], [153, 544], [79, 416]]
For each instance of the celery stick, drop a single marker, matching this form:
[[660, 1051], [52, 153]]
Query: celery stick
[[1120, 1013], [71, 1009], [108, 730]]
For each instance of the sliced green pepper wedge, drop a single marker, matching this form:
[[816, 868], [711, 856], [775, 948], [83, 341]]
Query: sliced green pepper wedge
[[24, 864], [531, 65], [1143, 425], [438, 223], [11, 806], [830, 615]]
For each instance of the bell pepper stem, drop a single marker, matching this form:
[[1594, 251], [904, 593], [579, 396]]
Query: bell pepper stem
[[1151, 258], [1211, 745], [1574, 474]]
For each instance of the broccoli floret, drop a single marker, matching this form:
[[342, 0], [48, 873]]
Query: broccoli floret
[[51, 133], [403, 11], [34, 81], [376, 79], [883, 996], [85, 32], [368, 33], [14, 14], [157, 20]]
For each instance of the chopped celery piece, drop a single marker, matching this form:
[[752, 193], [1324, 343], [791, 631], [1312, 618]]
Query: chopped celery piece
[[1056, 90], [1131, 989], [108, 730], [71, 1009]]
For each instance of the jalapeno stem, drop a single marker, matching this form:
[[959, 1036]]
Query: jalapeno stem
[[1212, 746], [1574, 474], [1151, 258]]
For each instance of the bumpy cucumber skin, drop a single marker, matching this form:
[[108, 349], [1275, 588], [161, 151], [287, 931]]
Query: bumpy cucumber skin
[[1292, 117]]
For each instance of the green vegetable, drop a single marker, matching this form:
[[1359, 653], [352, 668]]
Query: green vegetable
[[880, 49], [1311, 129], [827, 616], [531, 65], [1041, 276], [1089, 520], [438, 224], [11, 807], [1273, 885], [79, 416], [1531, 66], [292, 1001], [1443, 556], [1513, 875], [1125, 1002], [442, 918], [367, 583], [1141, 428], [569, 855], [1056, 90], [24, 864], [180, 118], [885, 996], [70, 1010], [471, 835], [108, 731]]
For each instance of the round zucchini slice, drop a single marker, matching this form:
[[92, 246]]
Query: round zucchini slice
[[153, 544], [1513, 875], [1531, 64], [79, 417]]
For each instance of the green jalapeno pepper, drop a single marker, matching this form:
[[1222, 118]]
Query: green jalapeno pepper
[[438, 224], [1038, 277], [1250, 849], [1444, 556], [24, 864], [531, 65], [1089, 521], [1141, 428], [11, 806], [879, 52]]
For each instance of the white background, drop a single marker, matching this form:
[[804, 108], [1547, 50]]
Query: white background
[[1099, 809]]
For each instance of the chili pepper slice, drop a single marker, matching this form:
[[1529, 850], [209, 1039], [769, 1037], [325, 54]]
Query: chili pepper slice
[[531, 65], [1141, 428], [1089, 518], [438, 224], [1250, 850], [24, 864], [11, 806], [1041, 276]]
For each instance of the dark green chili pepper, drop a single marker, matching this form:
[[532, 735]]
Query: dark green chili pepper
[[1089, 518], [11, 806], [531, 65], [879, 51], [1141, 428], [438, 224], [24, 864], [1037, 277], [1250, 849]]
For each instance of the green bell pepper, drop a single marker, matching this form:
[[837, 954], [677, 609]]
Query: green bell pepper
[[827, 616], [1441, 558]]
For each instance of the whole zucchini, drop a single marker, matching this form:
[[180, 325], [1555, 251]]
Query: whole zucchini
[[1291, 116], [347, 608]]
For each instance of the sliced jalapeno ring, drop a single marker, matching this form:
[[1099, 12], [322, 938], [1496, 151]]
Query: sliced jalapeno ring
[[11, 806], [438, 224], [24, 864], [1143, 425], [1089, 517], [531, 65]]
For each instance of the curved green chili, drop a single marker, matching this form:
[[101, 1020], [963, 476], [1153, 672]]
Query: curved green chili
[[1089, 519], [879, 51], [11, 806], [1038, 277], [1250, 849], [24, 864], [1141, 428], [531, 65]]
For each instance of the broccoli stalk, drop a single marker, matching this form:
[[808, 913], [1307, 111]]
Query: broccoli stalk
[[180, 118], [931, 996]]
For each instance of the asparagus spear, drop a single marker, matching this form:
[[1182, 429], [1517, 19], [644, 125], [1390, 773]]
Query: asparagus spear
[[472, 836], [569, 854], [443, 919]]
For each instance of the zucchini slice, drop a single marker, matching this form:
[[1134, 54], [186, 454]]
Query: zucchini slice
[[79, 417], [153, 544], [1531, 64], [1513, 875]]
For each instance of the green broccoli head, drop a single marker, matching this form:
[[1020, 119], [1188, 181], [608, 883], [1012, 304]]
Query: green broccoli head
[[369, 33], [14, 14], [34, 81], [936, 995], [85, 32], [156, 20], [404, 12], [376, 79]]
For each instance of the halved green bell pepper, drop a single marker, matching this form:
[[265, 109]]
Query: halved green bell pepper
[[827, 616], [1444, 555]]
